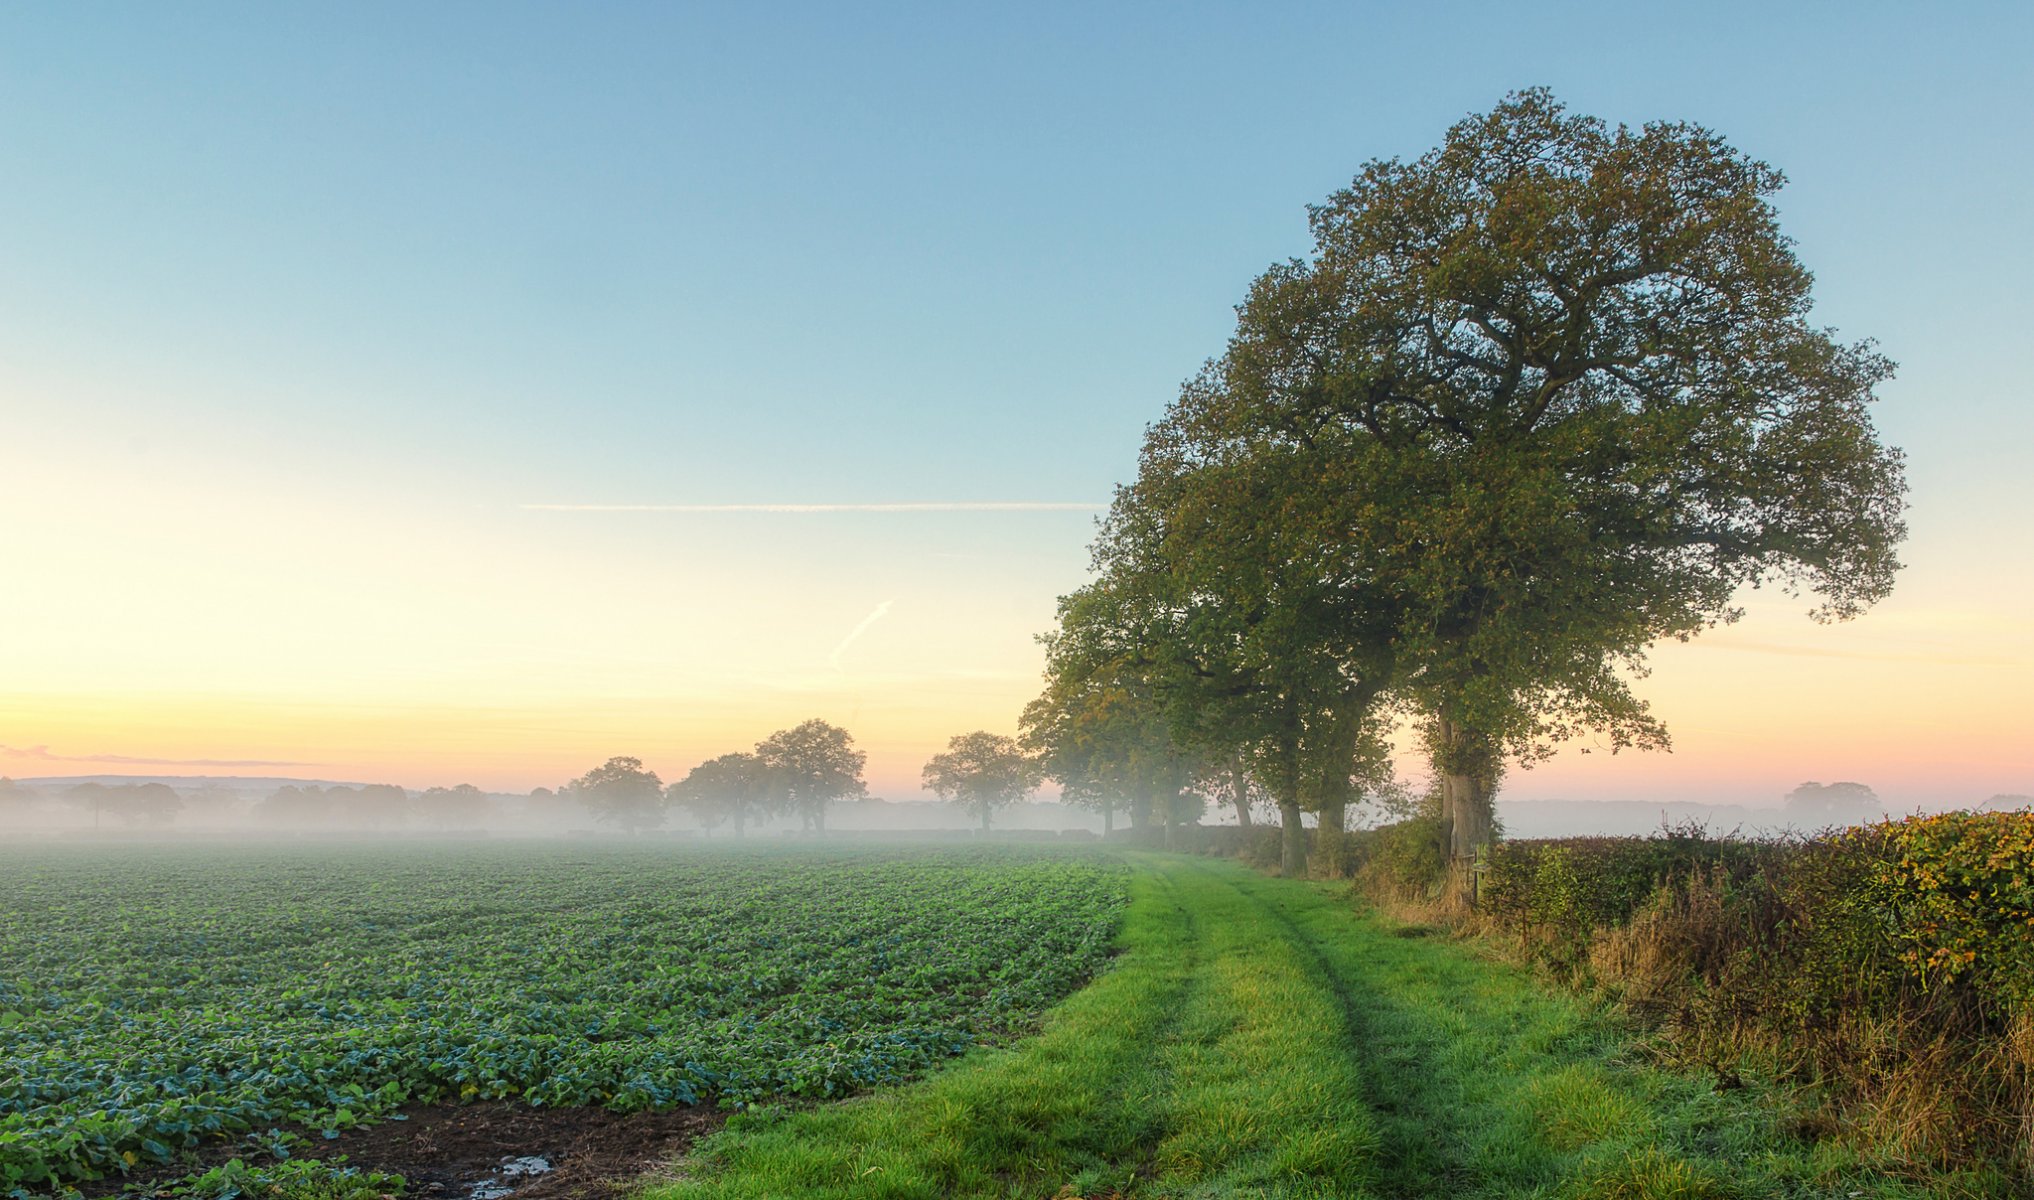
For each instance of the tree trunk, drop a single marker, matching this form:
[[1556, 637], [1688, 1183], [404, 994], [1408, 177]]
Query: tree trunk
[[985, 817], [1108, 817], [1239, 792], [819, 820], [1328, 838], [1469, 803], [1169, 805], [1467, 762], [1292, 857]]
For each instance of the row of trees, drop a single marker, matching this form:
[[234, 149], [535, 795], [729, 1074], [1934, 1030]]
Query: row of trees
[[793, 772], [1539, 398], [800, 772], [371, 806]]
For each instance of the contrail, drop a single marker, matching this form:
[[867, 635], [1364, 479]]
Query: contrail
[[42, 754], [880, 612], [912, 507]]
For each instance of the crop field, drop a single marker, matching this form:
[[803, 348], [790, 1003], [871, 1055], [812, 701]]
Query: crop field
[[1004, 1023], [155, 1003]]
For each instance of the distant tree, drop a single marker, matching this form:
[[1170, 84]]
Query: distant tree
[[212, 802], [1816, 804], [1230, 783], [372, 806], [813, 765], [291, 806], [983, 772], [149, 803], [90, 798], [461, 807], [16, 798], [734, 788], [622, 792], [131, 804]]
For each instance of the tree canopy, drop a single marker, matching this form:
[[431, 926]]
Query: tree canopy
[[814, 764], [737, 788], [982, 772], [622, 792], [1539, 398]]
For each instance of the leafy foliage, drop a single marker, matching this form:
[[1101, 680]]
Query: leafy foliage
[[1891, 963], [813, 764], [621, 791], [736, 788], [981, 772]]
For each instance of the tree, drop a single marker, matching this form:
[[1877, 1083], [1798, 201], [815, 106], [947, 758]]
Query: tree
[[370, 806], [621, 791], [1100, 727], [734, 787], [982, 772], [813, 765], [1220, 577], [154, 803], [15, 797], [461, 807], [290, 805], [1559, 383], [1815, 805]]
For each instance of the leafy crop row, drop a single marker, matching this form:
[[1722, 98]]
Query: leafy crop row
[[152, 1004]]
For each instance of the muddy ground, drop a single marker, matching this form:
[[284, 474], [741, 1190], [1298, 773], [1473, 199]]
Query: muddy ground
[[443, 1152], [446, 1153]]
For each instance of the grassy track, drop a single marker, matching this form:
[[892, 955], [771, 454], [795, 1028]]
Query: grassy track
[[1261, 1038]]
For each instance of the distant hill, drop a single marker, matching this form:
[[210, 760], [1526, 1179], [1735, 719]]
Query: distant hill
[[236, 783]]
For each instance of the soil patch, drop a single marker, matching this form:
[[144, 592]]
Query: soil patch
[[492, 1150], [445, 1152]]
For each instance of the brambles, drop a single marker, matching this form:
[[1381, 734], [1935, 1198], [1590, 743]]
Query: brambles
[[155, 1003]]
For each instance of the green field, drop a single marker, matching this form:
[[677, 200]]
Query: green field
[[1250, 1037], [153, 1001]]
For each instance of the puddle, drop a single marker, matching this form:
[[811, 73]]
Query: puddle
[[510, 1175]]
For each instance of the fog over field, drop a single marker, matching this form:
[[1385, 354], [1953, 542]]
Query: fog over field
[[184, 807]]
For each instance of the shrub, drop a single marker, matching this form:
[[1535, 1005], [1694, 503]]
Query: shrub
[[1405, 859], [1891, 964]]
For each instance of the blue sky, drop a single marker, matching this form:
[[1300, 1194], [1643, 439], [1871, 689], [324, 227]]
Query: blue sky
[[393, 272]]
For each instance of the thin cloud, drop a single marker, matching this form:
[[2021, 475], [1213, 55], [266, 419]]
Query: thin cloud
[[881, 610], [42, 754], [1945, 660], [921, 506]]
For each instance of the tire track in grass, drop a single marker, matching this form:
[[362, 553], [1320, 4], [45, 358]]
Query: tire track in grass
[[1466, 1065], [1485, 1084], [1268, 1099]]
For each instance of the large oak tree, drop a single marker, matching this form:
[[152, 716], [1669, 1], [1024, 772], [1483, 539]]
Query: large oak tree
[[1559, 383]]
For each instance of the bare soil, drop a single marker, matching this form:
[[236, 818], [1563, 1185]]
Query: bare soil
[[445, 1151]]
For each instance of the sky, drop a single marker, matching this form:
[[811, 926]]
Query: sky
[[470, 392]]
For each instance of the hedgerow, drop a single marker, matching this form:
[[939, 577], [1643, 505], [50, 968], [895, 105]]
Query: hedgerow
[[1890, 966]]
